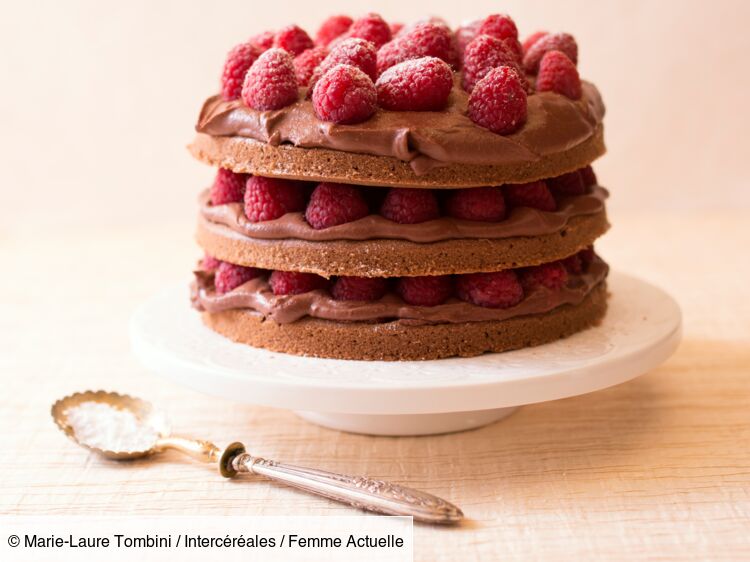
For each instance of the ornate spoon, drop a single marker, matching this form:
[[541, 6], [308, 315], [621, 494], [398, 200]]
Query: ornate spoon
[[122, 427]]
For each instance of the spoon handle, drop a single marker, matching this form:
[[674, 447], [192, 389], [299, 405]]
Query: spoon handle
[[358, 491]]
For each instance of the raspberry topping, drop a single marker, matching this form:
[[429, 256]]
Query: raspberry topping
[[239, 60], [410, 206], [228, 187], [295, 282], [558, 74], [335, 203], [396, 28], [498, 101], [535, 195], [551, 42], [428, 290], [269, 198], [354, 52], [422, 40], [210, 263], [359, 288], [333, 27], [588, 176], [476, 204], [482, 55], [263, 41], [552, 275], [567, 184], [271, 82], [344, 94], [500, 289], [415, 85], [306, 62], [465, 34], [293, 39], [229, 276], [371, 27], [500, 26], [531, 39]]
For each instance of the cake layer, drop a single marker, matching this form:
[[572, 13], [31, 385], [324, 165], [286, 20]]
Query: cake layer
[[401, 340]]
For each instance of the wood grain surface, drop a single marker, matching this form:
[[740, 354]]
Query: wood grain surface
[[657, 468]]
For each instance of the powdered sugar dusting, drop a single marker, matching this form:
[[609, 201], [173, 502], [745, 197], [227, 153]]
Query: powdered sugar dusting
[[108, 428]]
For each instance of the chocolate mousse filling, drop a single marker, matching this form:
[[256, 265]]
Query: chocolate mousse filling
[[257, 295], [425, 139]]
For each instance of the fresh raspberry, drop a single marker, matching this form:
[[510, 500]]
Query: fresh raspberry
[[500, 289], [567, 184], [271, 82], [332, 28], [558, 74], [210, 263], [229, 276], [422, 40], [552, 275], [269, 198], [345, 95], [588, 176], [504, 28], [239, 60], [573, 264], [535, 195], [498, 101], [306, 62], [551, 42], [359, 288], [410, 206], [228, 187], [465, 34], [354, 52], [396, 28], [371, 27], [335, 203], [428, 290], [482, 55], [476, 204], [295, 282], [292, 39], [263, 41], [415, 85], [531, 39]]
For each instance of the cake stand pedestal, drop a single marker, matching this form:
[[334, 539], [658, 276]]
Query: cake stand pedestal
[[642, 328]]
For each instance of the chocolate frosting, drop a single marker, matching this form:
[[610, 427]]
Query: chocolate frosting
[[426, 139], [523, 221], [257, 295]]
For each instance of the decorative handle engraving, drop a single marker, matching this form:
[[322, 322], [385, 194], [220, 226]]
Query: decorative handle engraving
[[358, 491]]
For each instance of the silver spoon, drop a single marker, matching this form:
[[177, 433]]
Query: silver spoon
[[136, 430]]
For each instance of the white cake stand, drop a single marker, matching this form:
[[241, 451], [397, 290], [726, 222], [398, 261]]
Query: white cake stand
[[641, 330]]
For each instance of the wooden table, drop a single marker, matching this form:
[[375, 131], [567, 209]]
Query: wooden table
[[658, 467]]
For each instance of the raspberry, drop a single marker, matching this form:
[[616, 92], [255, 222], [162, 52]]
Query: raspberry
[[476, 204], [410, 206], [292, 39], [230, 276], [551, 42], [422, 40], [271, 83], [295, 282], [396, 28], [354, 52], [500, 289], [332, 28], [228, 187], [263, 41], [239, 60], [573, 264], [359, 288], [552, 275], [210, 263], [558, 74], [500, 26], [428, 290], [498, 101], [335, 203], [269, 198], [345, 95], [482, 55], [465, 34], [567, 184], [588, 176], [306, 62], [535, 195], [371, 27], [415, 85], [531, 39]]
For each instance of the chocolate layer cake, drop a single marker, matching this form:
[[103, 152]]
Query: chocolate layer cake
[[401, 192]]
